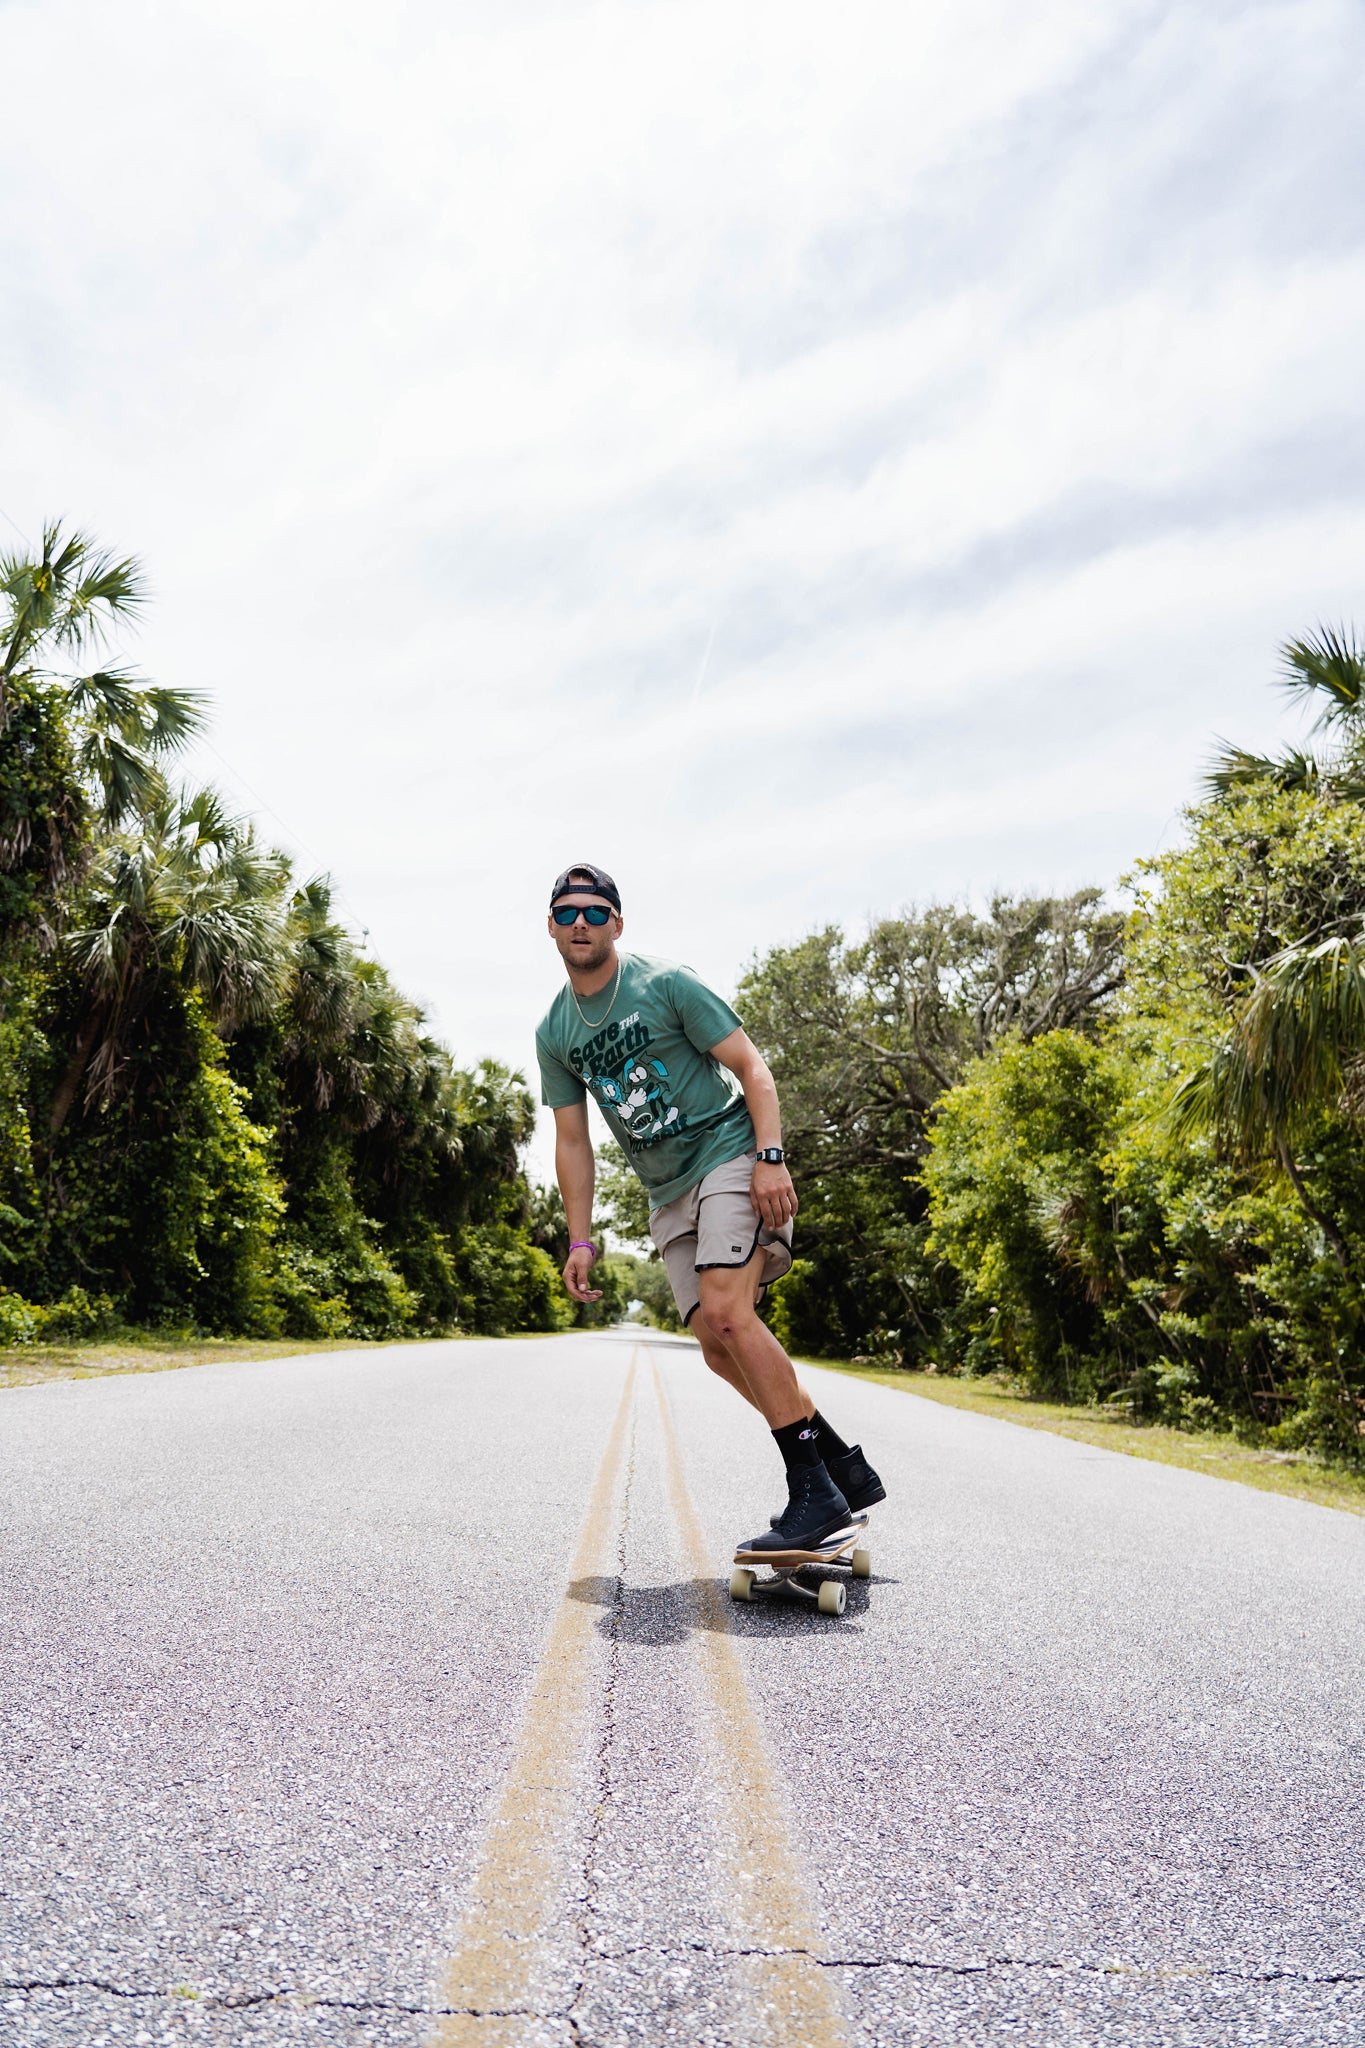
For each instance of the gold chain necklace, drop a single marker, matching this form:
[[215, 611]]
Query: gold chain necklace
[[588, 1025]]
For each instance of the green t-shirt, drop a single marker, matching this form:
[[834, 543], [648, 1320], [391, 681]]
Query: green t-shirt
[[675, 1112]]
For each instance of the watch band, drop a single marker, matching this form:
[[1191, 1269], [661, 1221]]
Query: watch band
[[772, 1155]]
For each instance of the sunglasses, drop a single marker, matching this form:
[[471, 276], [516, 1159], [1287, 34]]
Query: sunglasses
[[569, 913]]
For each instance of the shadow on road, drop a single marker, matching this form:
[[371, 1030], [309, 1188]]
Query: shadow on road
[[661, 1617]]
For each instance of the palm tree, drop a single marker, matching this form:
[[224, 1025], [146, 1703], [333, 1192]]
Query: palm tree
[[1299, 1039], [73, 741], [353, 1057], [190, 893], [1294, 1052]]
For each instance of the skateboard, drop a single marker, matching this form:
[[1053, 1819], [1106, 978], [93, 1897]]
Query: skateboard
[[847, 1546]]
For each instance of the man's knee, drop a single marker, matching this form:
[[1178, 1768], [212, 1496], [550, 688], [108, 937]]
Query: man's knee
[[728, 1311]]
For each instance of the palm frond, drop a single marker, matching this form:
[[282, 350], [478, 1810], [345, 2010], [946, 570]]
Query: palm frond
[[127, 781], [30, 611], [1235, 769], [124, 725], [102, 948], [189, 887], [234, 950], [1193, 1109], [1305, 1020], [1220, 1098], [1327, 664], [96, 592], [1287, 1058], [67, 595], [111, 696], [150, 715], [171, 717]]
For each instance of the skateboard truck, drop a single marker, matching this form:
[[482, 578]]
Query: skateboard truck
[[845, 1547]]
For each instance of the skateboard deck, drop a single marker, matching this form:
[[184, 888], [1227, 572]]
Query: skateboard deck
[[847, 1546]]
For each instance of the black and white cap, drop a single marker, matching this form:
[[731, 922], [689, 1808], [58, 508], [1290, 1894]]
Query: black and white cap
[[599, 883]]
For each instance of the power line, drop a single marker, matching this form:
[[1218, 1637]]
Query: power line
[[18, 529], [705, 661], [323, 866]]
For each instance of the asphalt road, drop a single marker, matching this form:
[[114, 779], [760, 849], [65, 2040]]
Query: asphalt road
[[393, 1697]]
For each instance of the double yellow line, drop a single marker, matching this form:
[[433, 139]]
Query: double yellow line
[[520, 1886]]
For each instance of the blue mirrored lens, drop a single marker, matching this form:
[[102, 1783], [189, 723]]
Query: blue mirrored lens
[[595, 913]]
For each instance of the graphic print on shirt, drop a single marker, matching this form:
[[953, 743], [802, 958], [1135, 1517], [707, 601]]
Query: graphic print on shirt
[[639, 1098], [634, 1087]]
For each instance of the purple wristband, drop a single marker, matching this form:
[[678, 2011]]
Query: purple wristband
[[583, 1244]]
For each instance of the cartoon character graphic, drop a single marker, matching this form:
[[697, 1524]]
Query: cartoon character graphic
[[639, 1099]]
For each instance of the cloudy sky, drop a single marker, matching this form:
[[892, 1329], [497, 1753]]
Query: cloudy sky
[[806, 459]]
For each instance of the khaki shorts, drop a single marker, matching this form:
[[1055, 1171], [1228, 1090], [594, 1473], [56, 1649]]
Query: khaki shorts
[[714, 1224]]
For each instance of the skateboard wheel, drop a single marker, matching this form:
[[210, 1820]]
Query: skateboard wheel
[[861, 1563], [741, 1585], [831, 1597]]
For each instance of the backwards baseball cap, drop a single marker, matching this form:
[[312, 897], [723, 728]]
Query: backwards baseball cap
[[598, 883]]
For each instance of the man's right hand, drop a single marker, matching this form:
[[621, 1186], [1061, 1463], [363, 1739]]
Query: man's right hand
[[578, 1272]]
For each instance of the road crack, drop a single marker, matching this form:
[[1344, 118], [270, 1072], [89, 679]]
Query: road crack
[[236, 2001], [1274, 1974]]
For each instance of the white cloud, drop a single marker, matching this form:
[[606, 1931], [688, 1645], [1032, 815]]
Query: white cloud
[[980, 383]]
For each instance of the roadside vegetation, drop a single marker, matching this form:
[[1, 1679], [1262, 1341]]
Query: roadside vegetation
[[1108, 1159], [218, 1115]]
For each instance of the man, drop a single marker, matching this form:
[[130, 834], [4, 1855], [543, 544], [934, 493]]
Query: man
[[693, 1106]]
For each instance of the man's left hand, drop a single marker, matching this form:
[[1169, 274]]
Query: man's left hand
[[772, 1194]]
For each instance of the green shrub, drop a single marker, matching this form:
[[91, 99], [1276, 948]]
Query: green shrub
[[79, 1315], [75, 1317], [798, 1313], [169, 1201], [1019, 1205], [305, 1284], [20, 1320], [507, 1284]]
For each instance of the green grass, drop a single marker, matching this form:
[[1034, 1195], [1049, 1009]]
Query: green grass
[[1223, 1456], [31, 1365]]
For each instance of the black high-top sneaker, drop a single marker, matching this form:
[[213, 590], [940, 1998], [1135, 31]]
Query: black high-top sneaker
[[855, 1479], [815, 1509]]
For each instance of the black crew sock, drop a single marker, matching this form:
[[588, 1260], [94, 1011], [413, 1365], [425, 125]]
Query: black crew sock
[[799, 1445], [829, 1439]]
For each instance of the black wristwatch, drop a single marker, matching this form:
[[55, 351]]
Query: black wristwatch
[[772, 1157]]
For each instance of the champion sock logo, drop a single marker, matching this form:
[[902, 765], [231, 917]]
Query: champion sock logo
[[807, 1436]]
